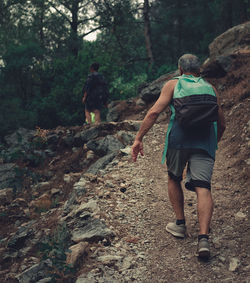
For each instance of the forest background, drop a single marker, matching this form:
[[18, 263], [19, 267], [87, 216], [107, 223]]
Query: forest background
[[45, 55]]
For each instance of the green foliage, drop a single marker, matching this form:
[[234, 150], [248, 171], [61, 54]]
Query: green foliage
[[121, 89], [55, 247], [44, 59], [62, 104], [163, 69], [13, 115]]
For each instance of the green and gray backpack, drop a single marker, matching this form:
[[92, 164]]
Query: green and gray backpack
[[194, 106], [194, 102]]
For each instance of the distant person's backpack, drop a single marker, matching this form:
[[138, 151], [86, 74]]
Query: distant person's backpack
[[97, 88], [194, 102]]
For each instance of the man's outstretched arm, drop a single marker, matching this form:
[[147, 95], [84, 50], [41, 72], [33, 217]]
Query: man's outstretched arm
[[151, 116]]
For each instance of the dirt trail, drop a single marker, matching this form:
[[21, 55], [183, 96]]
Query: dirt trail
[[175, 260]]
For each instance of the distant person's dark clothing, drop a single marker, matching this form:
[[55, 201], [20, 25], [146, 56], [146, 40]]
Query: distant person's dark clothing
[[96, 89]]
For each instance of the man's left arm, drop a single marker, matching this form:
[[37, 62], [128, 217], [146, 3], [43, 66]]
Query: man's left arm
[[151, 116], [84, 97]]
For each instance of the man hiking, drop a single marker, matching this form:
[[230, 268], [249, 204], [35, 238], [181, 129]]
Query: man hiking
[[191, 140], [95, 94]]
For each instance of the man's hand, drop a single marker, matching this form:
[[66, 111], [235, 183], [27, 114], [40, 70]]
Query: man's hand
[[137, 148]]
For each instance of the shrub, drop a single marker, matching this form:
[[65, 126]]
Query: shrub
[[54, 247], [120, 89]]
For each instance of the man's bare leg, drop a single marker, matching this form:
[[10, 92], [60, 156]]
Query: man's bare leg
[[176, 197], [204, 208], [87, 116], [97, 116], [178, 228]]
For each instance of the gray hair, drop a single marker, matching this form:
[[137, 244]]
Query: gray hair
[[189, 63]]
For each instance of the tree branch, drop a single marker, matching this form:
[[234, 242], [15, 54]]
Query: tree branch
[[93, 30], [58, 11], [132, 60], [65, 5], [84, 5], [86, 20]]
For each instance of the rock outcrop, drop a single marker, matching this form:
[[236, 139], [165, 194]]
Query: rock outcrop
[[225, 49], [150, 92], [235, 40]]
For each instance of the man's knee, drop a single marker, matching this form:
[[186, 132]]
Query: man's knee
[[203, 192], [174, 178], [174, 183]]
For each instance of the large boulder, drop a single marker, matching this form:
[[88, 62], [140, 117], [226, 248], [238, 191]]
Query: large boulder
[[115, 110], [224, 50], [21, 137], [91, 132], [76, 253], [93, 230], [233, 40], [101, 163], [105, 145], [17, 241], [118, 110], [217, 67], [86, 135], [152, 91], [36, 273]]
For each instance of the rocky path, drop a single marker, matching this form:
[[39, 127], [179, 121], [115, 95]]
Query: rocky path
[[135, 205]]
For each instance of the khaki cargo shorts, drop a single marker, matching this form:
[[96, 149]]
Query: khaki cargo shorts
[[199, 167]]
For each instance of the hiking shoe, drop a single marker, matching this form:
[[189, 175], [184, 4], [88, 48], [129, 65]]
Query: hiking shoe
[[203, 248], [178, 231]]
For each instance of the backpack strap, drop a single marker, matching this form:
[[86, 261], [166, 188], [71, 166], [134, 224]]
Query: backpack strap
[[176, 78], [170, 125]]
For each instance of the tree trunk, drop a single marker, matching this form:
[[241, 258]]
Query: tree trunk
[[147, 32], [179, 28], [244, 8], [227, 14], [74, 28], [41, 10]]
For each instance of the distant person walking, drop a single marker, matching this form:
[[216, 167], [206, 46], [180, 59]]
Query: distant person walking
[[196, 125], [95, 94]]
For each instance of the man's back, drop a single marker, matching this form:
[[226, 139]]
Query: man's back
[[96, 88], [95, 93]]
